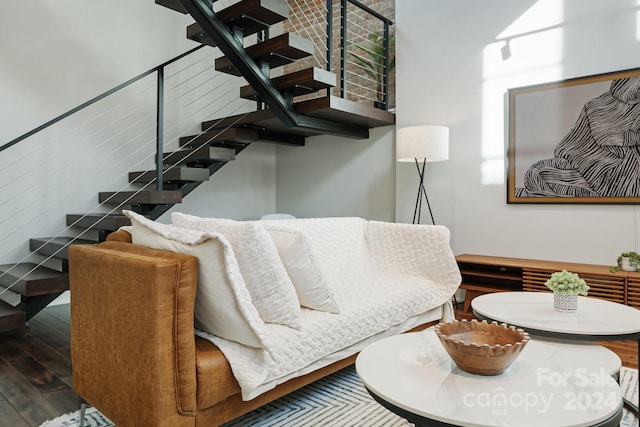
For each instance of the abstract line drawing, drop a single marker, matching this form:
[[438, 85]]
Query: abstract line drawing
[[596, 161]]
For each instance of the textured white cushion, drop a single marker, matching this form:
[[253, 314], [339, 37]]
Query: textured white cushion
[[223, 305], [304, 271], [267, 280]]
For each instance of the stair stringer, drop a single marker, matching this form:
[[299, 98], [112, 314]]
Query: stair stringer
[[232, 48]]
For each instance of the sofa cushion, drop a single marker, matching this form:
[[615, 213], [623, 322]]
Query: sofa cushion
[[338, 244], [267, 280], [223, 305], [303, 268]]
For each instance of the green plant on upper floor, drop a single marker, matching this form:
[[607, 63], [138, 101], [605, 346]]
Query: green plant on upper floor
[[567, 283], [373, 60], [634, 261]]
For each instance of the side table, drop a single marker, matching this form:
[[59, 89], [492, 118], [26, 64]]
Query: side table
[[595, 320]]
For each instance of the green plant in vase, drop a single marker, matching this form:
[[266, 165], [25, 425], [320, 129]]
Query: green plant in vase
[[371, 59], [628, 261], [566, 283], [566, 287]]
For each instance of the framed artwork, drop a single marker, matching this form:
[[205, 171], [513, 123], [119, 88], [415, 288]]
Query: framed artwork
[[575, 141]]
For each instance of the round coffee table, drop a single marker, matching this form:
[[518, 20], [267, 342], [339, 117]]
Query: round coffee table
[[595, 319], [548, 385]]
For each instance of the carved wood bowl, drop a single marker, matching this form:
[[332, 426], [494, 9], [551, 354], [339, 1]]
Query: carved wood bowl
[[482, 348]]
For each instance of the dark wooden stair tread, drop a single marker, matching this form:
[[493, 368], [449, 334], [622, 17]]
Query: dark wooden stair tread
[[345, 111], [173, 5], [227, 134], [56, 247], [299, 83], [329, 107], [281, 50], [268, 11], [142, 197], [30, 279], [250, 15], [11, 318], [173, 174], [203, 154], [109, 222]]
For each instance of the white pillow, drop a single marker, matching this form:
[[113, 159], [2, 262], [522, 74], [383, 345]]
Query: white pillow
[[223, 305], [267, 280], [303, 269]]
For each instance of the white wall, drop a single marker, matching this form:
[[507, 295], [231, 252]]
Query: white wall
[[57, 55], [243, 189], [334, 176], [450, 72]]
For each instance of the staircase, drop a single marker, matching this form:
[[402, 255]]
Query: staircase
[[279, 118]]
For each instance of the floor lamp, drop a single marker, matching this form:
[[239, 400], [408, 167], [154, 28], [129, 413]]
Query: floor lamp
[[422, 145]]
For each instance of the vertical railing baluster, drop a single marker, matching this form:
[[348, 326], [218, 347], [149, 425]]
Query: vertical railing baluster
[[329, 35], [343, 48], [159, 128], [385, 66], [329, 41]]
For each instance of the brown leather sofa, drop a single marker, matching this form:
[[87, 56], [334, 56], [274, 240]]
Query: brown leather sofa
[[134, 353]]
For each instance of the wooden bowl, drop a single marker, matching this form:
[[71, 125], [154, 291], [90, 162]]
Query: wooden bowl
[[482, 348]]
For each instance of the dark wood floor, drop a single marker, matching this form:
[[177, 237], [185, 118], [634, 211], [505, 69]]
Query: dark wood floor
[[35, 370]]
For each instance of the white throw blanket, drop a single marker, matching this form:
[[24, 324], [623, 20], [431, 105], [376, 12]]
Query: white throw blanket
[[382, 274]]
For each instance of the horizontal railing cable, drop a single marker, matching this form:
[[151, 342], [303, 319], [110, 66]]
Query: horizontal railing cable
[[85, 231], [306, 23], [94, 100], [119, 206]]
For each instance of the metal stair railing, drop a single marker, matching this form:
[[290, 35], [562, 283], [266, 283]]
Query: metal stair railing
[[362, 55], [203, 13], [189, 92]]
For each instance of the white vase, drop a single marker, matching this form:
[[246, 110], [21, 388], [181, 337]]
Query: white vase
[[567, 303], [626, 265]]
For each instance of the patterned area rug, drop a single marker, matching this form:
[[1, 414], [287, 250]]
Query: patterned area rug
[[338, 400]]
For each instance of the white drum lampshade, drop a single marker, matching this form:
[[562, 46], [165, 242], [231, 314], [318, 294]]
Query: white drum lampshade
[[422, 143]]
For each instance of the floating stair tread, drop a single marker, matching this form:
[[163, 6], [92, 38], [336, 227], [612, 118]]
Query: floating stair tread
[[252, 16], [234, 135], [110, 222], [281, 50], [300, 83], [30, 279], [143, 197], [173, 5], [344, 110], [11, 318], [174, 174], [329, 107], [267, 11], [206, 154], [56, 247]]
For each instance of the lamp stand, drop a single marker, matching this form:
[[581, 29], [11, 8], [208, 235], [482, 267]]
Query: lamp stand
[[421, 190]]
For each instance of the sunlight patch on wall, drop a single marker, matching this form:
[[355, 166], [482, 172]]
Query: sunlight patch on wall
[[528, 51]]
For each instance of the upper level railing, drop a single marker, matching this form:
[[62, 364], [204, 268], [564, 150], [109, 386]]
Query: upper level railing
[[352, 40]]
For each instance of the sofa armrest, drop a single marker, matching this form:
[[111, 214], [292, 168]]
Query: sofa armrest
[[415, 250], [132, 338], [119, 236]]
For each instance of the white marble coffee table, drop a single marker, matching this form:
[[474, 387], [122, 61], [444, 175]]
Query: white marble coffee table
[[595, 319], [548, 385]]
